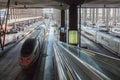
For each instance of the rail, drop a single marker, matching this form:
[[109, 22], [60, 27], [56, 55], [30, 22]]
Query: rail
[[81, 64]]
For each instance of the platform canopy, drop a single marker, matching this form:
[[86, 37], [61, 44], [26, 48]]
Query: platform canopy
[[59, 3]]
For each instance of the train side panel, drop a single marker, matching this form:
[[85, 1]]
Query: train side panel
[[108, 41]]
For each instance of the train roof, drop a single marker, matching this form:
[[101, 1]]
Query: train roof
[[35, 33]]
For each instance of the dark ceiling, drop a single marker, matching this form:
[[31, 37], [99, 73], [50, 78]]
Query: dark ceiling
[[59, 3]]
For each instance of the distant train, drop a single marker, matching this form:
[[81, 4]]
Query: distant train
[[108, 41], [31, 48]]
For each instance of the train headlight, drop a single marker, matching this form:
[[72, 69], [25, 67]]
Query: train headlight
[[20, 61], [28, 60]]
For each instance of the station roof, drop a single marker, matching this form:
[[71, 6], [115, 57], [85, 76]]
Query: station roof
[[59, 3]]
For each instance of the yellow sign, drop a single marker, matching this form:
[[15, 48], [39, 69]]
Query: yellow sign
[[73, 37]]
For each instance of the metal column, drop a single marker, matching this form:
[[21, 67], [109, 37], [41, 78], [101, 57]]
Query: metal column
[[107, 18], [73, 25], [79, 21], [93, 16], [97, 14], [114, 14], [90, 14], [62, 32], [85, 15], [73, 17], [118, 15], [103, 13], [62, 18]]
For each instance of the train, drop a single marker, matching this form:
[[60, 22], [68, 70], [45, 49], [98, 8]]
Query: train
[[31, 48], [107, 40]]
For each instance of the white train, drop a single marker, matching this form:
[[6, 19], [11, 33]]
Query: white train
[[110, 42], [31, 48]]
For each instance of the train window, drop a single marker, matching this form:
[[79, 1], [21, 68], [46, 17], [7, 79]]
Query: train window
[[28, 47]]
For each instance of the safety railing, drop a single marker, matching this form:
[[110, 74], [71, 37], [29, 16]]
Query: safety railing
[[80, 64]]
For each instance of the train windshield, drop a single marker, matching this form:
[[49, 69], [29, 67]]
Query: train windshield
[[28, 47]]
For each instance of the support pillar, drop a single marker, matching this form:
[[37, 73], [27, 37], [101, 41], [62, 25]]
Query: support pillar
[[73, 25], [90, 14], [103, 13], [62, 29], [85, 16], [62, 18], [79, 26], [97, 14], [67, 23], [115, 14], [107, 18], [73, 17], [93, 16], [118, 15]]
